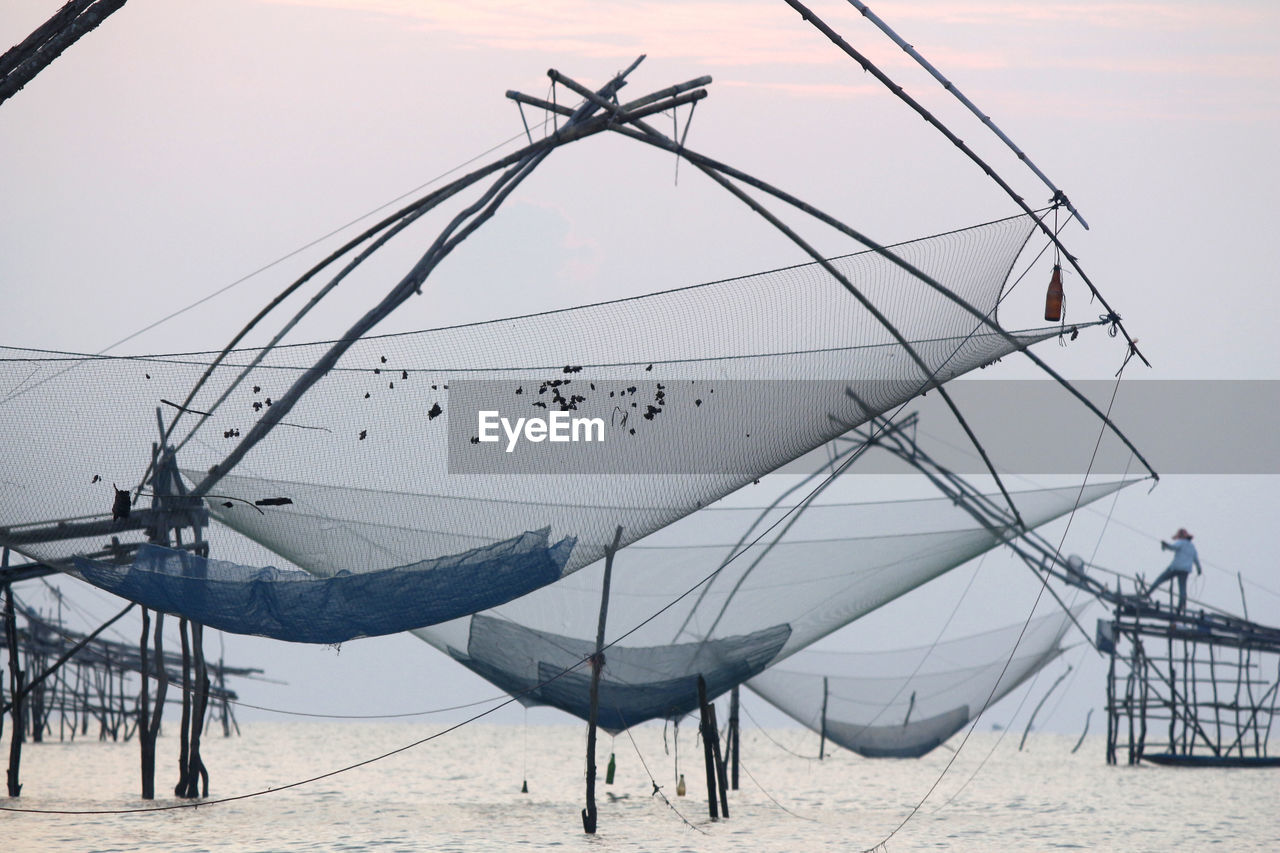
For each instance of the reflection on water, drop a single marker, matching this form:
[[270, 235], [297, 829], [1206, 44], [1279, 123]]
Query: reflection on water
[[462, 792]]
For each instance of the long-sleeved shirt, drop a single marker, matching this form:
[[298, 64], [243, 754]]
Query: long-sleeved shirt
[[1184, 555]]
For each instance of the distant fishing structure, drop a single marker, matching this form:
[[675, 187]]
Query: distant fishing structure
[[1194, 689], [92, 686]]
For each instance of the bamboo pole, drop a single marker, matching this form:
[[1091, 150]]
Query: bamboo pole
[[722, 783], [146, 744], [928, 376], [970, 105], [869, 67], [1087, 718], [822, 732], [1039, 705], [20, 65], [15, 688], [597, 667], [184, 728], [464, 223], [197, 773], [656, 139], [735, 744], [704, 726], [1112, 721]]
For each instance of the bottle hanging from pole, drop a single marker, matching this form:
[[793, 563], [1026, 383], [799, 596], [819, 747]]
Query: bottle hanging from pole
[[1053, 299], [680, 787], [608, 775]]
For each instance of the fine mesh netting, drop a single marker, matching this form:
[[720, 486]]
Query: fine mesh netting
[[904, 703], [836, 563], [712, 386]]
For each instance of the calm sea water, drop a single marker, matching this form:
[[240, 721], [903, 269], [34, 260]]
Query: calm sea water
[[462, 792]]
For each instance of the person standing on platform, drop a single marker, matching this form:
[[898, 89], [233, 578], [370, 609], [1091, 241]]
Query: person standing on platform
[[1184, 557]]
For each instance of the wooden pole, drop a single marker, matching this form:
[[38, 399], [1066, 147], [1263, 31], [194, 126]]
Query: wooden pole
[[15, 688], [149, 721], [184, 730], [822, 733], [197, 773], [597, 665], [21, 64], [1031, 720], [66, 656], [704, 729], [722, 783], [1087, 717], [734, 744], [146, 746]]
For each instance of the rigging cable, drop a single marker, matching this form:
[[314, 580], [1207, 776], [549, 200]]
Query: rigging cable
[[807, 15], [1058, 194], [1044, 584], [750, 775], [312, 244], [1016, 711], [771, 739], [419, 742], [657, 789], [274, 263]]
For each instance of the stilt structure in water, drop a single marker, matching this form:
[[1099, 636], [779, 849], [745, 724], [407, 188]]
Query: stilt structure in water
[[1190, 689], [72, 684]]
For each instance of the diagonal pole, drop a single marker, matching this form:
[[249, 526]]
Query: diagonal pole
[[462, 225], [930, 376], [1058, 195], [870, 68]]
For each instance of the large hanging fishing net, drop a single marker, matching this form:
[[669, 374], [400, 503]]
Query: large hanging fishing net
[[835, 563], [904, 703], [698, 390]]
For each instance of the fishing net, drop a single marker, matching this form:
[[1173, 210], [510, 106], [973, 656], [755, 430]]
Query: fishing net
[[904, 703], [835, 563], [380, 466]]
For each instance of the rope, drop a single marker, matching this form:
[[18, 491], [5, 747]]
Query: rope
[[469, 720], [770, 796], [769, 737], [930, 648], [1016, 711], [312, 244], [21, 389], [657, 789], [318, 715], [1044, 583], [710, 576], [265, 791]]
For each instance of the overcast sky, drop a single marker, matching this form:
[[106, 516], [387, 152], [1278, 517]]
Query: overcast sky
[[183, 146]]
